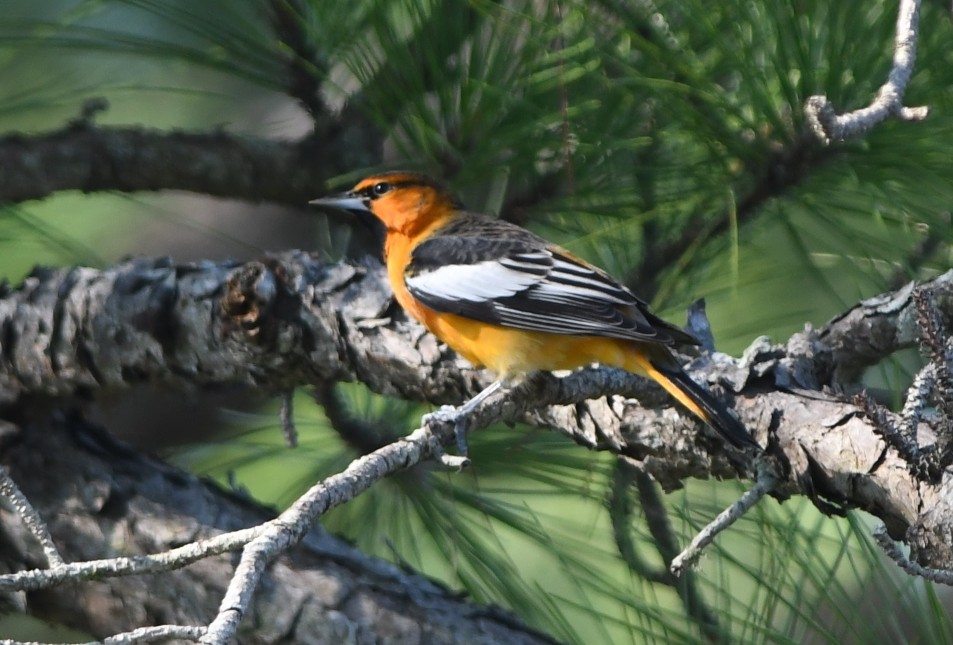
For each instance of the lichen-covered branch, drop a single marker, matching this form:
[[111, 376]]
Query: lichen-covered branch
[[272, 324], [877, 327], [323, 591], [289, 319], [829, 126]]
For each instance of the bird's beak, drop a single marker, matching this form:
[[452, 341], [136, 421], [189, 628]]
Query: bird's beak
[[350, 201]]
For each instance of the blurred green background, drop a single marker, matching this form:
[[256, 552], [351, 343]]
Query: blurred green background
[[662, 140]]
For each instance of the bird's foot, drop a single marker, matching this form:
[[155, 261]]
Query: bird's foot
[[460, 418], [449, 414]]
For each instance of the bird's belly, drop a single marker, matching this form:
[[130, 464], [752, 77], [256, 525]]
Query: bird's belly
[[510, 352]]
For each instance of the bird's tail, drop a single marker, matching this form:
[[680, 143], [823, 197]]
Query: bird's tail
[[697, 399]]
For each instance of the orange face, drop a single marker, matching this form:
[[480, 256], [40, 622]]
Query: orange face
[[405, 202], [410, 206]]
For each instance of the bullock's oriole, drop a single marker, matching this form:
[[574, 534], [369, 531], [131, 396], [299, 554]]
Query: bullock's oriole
[[507, 299]]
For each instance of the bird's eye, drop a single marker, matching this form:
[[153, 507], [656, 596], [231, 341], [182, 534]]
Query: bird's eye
[[380, 188]]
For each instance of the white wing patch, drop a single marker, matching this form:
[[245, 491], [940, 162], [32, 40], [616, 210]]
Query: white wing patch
[[482, 281], [536, 276], [536, 290]]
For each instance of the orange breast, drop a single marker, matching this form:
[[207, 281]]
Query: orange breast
[[509, 351]]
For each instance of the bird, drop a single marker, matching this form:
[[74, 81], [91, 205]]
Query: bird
[[509, 300]]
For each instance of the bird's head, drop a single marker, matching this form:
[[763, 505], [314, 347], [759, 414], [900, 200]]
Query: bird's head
[[403, 201]]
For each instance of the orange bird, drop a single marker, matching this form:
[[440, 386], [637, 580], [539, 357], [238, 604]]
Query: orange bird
[[506, 299]]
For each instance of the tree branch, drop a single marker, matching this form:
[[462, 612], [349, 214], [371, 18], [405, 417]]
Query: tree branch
[[277, 323], [829, 126], [321, 591], [288, 320], [691, 553], [877, 327], [91, 158], [304, 66]]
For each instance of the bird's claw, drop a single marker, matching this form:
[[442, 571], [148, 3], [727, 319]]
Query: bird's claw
[[449, 414]]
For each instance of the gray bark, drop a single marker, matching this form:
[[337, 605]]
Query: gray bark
[[290, 319]]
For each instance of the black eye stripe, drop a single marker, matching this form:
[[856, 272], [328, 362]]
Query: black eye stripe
[[379, 188], [373, 191]]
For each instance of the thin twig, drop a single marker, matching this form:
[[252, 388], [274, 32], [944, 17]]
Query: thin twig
[[829, 126], [159, 633], [261, 544], [126, 566], [289, 527], [765, 484], [893, 552], [30, 518], [286, 415], [156, 634]]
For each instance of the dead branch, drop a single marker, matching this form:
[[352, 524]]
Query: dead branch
[[829, 126], [84, 156], [289, 320], [99, 498]]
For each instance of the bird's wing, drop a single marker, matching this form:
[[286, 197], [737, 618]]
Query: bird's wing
[[525, 283]]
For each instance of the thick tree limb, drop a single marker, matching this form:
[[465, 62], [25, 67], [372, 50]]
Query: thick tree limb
[[877, 327], [90, 158], [285, 321], [289, 320]]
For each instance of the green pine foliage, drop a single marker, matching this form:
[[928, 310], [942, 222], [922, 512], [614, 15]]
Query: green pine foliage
[[664, 140]]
